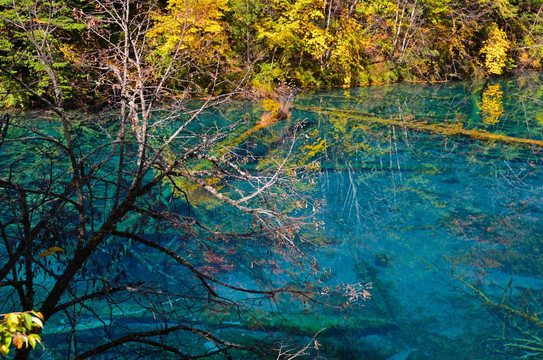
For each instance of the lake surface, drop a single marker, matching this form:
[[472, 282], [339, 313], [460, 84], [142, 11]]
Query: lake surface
[[401, 204], [419, 195]]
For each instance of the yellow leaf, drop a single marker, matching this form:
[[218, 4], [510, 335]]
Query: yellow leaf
[[56, 248], [4, 350], [38, 314], [46, 253], [11, 320]]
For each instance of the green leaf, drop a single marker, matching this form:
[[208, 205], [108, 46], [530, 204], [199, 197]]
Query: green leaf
[[33, 339], [27, 320], [7, 339]]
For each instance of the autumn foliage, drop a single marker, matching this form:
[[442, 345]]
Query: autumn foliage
[[301, 43], [18, 329]]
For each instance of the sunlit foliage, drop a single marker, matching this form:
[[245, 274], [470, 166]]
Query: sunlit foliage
[[37, 19], [495, 51], [18, 329], [198, 23], [301, 43]]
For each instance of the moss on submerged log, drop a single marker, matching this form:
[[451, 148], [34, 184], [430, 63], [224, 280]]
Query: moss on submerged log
[[302, 324], [423, 126], [309, 324]]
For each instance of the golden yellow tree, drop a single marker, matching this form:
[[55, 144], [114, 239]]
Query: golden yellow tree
[[194, 26], [495, 51], [297, 27], [349, 49]]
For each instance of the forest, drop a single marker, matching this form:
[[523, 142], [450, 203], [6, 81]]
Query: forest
[[265, 44]]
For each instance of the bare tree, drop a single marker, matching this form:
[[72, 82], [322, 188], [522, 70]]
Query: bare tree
[[126, 226]]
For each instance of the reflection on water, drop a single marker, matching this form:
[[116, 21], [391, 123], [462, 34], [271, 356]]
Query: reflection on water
[[492, 104], [400, 202]]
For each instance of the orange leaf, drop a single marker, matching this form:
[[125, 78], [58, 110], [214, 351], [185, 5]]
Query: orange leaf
[[56, 248], [46, 253]]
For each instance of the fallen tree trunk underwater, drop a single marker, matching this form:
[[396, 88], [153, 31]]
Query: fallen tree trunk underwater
[[423, 126]]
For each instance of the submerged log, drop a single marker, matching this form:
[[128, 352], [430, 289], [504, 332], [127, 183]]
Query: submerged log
[[423, 126], [310, 324]]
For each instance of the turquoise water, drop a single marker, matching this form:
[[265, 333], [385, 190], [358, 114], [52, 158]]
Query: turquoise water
[[432, 220], [408, 210], [408, 203]]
